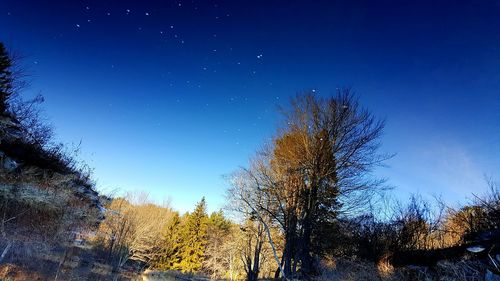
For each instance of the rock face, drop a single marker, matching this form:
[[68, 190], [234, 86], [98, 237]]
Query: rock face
[[43, 200], [12, 150]]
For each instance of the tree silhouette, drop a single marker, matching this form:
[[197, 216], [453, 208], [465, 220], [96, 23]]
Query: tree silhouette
[[6, 79]]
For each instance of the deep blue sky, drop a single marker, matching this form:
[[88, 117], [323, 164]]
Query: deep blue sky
[[168, 96]]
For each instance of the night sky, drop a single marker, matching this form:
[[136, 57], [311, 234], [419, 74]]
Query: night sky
[[168, 96]]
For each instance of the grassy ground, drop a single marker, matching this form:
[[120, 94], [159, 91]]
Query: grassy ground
[[345, 270]]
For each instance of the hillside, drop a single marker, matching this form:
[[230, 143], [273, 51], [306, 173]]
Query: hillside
[[45, 205]]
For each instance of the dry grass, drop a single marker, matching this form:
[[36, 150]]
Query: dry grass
[[170, 275], [462, 270], [346, 270], [39, 214], [13, 272]]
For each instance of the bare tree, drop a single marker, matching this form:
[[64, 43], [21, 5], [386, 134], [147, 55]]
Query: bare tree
[[318, 167], [482, 214], [134, 231], [246, 196], [27, 112], [36, 128], [253, 242], [218, 233]]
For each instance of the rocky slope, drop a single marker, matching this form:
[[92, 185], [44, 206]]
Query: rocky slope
[[45, 205]]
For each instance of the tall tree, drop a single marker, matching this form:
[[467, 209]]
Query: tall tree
[[251, 248], [328, 149], [27, 113], [317, 167], [169, 253], [6, 78], [253, 193], [194, 240]]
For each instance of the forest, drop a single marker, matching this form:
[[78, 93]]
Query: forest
[[308, 206]]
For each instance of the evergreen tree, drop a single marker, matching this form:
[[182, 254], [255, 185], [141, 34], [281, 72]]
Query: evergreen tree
[[6, 78], [218, 222], [171, 245], [194, 240]]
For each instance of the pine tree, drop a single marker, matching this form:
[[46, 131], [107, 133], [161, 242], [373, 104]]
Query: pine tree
[[194, 240], [6, 78], [171, 245]]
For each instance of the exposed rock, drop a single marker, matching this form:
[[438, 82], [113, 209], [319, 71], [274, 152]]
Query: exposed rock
[[67, 181], [44, 199]]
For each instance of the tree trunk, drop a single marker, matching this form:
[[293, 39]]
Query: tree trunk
[[280, 266], [256, 260], [304, 254], [288, 252], [306, 261], [251, 276], [5, 251]]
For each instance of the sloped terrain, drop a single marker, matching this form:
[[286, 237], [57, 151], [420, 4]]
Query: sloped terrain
[[45, 208]]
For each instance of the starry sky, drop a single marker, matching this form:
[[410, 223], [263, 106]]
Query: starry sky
[[168, 96]]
